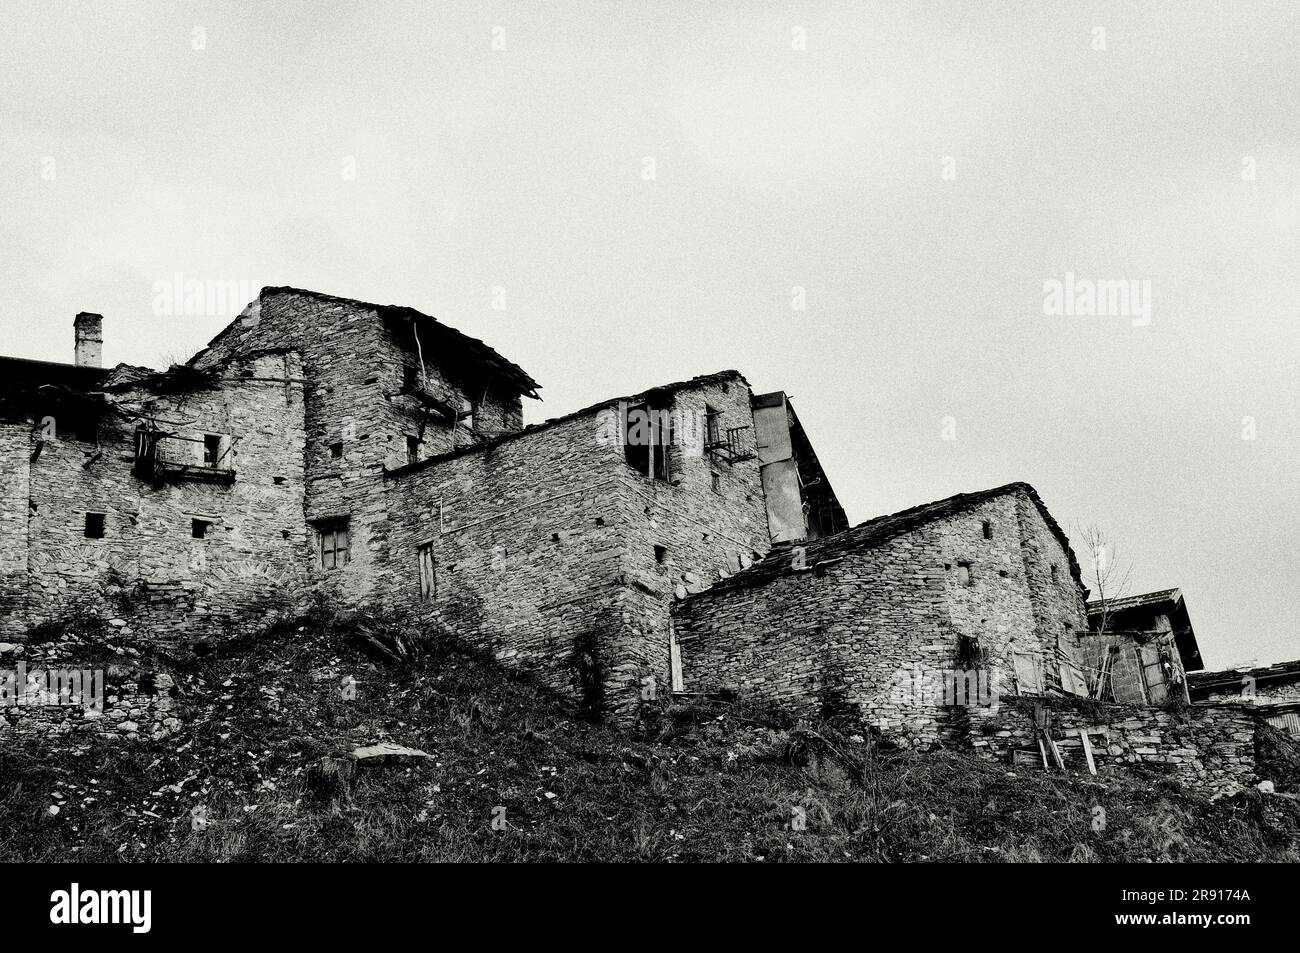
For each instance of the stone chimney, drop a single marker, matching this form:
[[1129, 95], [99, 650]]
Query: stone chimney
[[90, 339]]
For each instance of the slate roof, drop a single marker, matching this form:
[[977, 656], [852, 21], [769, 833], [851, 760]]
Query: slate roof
[[1231, 677], [875, 532], [478, 352], [125, 375], [1162, 597], [662, 392]]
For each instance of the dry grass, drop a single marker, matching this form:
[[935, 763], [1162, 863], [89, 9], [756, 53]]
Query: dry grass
[[699, 782]]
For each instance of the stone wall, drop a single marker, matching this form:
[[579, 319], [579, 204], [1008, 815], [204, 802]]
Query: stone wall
[[360, 411], [543, 547], [15, 496], [148, 565], [878, 627], [1056, 595], [133, 703], [681, 537], [1208, 748], [524, 551]]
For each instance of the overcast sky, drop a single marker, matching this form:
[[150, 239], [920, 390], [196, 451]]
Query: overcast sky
[[652, 191]]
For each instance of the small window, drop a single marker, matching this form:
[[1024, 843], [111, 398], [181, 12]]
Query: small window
[[1055, 573], [410, 378], [412, 449], [336, 451], [211, 449], [199, 528], [95, 525], [663, 465], [334, 546], [964, 575], [637, 436], [428, 572], [988, 529], [661, 554], [648, 432], [716, 479], [77, 425]]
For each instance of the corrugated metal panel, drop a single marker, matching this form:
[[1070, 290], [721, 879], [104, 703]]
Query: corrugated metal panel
[[772, 428], [1287, 721]]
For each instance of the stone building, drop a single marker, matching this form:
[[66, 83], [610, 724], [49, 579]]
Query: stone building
[[175, 498], [375, 455], [681, 539], [562, 545], [885, 616]]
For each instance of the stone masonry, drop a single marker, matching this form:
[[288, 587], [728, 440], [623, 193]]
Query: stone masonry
[[876, 617], [191, 548], [1210, 749], [373, 456], [561, 557]]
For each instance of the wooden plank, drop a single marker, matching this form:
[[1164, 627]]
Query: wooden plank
[[1056, 753], [1103, 674], [1042, 753], [1028, 678], [1087, 750]]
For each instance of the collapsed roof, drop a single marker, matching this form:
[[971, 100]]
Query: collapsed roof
[[1202, 684]]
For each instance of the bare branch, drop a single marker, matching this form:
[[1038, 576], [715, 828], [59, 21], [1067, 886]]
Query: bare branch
[[1109, 576]]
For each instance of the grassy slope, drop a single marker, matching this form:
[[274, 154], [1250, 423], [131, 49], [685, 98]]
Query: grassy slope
[[693, 782]]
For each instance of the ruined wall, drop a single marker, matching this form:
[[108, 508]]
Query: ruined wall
[[148, 566], [1210, 749], [132, 707], [545, 551], [83, 685], [877, 628]]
